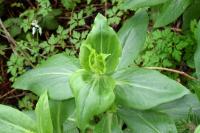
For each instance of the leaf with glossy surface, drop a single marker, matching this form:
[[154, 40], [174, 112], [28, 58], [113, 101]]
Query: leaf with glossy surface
[[180, 108], [93, 95], [102, 42], [135, 4], [13, 120], [147, 121], [60, 111], [197, 53], [43, 115], [143, 89], [132, 36], [52, 76], [171, 11]]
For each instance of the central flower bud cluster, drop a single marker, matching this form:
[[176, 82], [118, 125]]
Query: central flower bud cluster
[[97, 62]]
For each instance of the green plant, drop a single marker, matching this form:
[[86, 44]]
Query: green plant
[[166, 48], [27, 102], [17, 121], [188, 125], [77, 38], [105, 93], [32, 51], [77, 20], [2, 50], [114, 15]]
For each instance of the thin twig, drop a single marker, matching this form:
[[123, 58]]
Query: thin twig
[[16, 96], [6, 94], [172, 70], [8, 37]]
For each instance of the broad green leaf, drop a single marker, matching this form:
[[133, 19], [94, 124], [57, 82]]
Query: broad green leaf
[[69, 4], [132, 36], [197, 53], [143, 89], [52, 76], [43, 115], [60, 111], [171, 11], [191, 13], [93, 95], [197, 130], [12, 120], [147, 121], [135, 4], [180, 108], [108, 124], [194, 85], [101, 51]]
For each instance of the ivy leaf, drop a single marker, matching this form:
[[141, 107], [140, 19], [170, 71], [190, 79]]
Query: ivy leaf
[[132, 36], [197, 53], [51, 75], [13, 120], [102, 40], [171, 11], [147, 121], [43, 115], [144, 89], [93, 95]]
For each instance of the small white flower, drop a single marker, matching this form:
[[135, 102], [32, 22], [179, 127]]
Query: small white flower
[[36, 27]]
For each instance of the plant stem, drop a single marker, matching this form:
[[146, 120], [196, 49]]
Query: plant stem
[[172, 70]]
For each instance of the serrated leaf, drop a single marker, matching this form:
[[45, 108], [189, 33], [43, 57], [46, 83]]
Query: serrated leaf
[[52, 76], [132, 36], [143, 89], [171, 11], [93, 95]]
